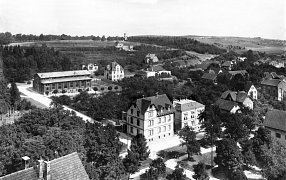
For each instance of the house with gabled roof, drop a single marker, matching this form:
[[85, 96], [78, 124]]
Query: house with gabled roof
[[114, 71], [250, 89], [68, 167], [275, 122], [228, 65], [231, 101], [151, 116], [210, 77], [275, 88]]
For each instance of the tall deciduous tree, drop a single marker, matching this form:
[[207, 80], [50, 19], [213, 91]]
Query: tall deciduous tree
[[177, 174], [189, 140], [131, 163], [228, 155], [200, 171], [14, 94], [157, 168], [139, 146]]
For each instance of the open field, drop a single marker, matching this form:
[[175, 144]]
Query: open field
[[256, 44]]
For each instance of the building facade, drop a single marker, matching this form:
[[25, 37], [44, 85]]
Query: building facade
[[90, 67], [151, 58], [275, 122], [114, 72], [275, 88], [151, 116], [187, 113], [62, 82]]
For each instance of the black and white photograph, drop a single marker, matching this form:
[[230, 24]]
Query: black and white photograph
[[142, 90]]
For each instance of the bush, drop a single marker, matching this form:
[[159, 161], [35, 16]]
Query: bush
[[237, 175], [64, 91], [47, 92], [29, 82], [109, 88], [95, 89], [200, 171], [79, 90], [55, 91], [116, 87], [102, 88]]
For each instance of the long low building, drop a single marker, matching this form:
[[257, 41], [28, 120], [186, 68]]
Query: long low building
[[62, 82]]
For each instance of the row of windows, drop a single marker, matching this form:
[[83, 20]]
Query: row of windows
[[159, 130], [160, 120], [71, 85], [132, 130], [131, 121], [138, 112]]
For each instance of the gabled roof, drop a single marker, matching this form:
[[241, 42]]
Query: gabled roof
[[230, 94], [68, 167], [271, 82], [241, 96], [247, 86], [161, 102], [275, 119], [64, 74], [156, 68], [209, 76], [112, 66], [225, 104]]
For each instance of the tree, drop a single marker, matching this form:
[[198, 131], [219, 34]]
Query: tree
[[131, 163], [189, 140], [200, 171], [228, 155], [157, 168], [139, 146], [14, 94], [177, 174], [247, 152], [109, 88], [273, 160], [211, 122], [103, 38], [237, 175], [261, 137]]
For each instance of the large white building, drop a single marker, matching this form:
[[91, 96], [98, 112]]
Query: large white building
[[187, 113], [114, 72], [151, 116]]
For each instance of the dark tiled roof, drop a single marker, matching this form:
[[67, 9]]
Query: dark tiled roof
[[225, 104], [68, 167], [161, 102], [209, 76], [156, 68], [275, 119], [271, 82]]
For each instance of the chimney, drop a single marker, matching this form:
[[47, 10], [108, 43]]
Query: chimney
[[48, 169], [41, 169], [26, 159]]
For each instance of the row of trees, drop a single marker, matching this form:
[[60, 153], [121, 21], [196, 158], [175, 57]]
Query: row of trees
[[21, 63], [179, 43]]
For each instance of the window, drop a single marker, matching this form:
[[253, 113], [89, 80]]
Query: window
[[131, 120], [150, 123], [131, 111], [150, 114], [185, 116], [76, 84], [53, 86], [159, 129], [159, 121], [59, 85], [164, 129], [164, 119], [193, 123], [138, 113], [65, 85], [169, 127], [278, 135], [83, 83], [151, 132], [131, 129], [138, 122], [138, 131], [169, 118], [71, 84]]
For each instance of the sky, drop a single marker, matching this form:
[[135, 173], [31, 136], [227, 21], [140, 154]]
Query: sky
[[243, 18]]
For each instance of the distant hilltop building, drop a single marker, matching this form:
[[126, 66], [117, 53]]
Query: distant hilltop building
[[62, 82], [90, 67], [114, 72], [121, 46], [125, 37]]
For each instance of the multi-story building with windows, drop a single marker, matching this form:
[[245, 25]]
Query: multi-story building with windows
[[151, 116], [187, 114], [114, 72], [62, 82]]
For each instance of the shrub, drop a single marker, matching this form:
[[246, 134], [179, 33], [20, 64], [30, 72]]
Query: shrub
[[79, 90], [64, 91], [55, 91], [47, 92], [95, 89], [102, 88], [109, 88], [116, 87]]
